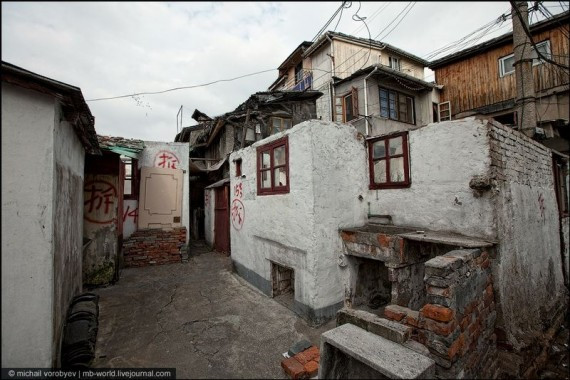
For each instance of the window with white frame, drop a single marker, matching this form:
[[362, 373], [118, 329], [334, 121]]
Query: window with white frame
[[506, 64], [394, 63]]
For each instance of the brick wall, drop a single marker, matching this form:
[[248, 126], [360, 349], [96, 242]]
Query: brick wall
[[517, 158], [153, 246], [457, 323]]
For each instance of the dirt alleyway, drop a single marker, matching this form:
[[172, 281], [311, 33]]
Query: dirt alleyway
[[199, 318]]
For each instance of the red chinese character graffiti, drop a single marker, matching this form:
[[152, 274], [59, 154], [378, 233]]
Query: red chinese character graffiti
[[166, 159], [238, 214], [131, 213], [99, 199], [238, 190]]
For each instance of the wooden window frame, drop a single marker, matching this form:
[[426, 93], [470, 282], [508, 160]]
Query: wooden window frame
[[392, 60], [284, 141], [342, 98], [398, 94], [405, 154], [134, 195], [282, 128]]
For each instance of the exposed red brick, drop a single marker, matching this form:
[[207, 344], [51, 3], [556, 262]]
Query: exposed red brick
[[456, 346], [348, 236], [465, 322], [311, 368], [394, 312], [443, 292], [485, 264], [443, 329], [384, 240], [308, 355], [293, 368], [436, 312]]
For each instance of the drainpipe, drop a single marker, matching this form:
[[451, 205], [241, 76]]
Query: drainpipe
[[367, 123], [331, 85]]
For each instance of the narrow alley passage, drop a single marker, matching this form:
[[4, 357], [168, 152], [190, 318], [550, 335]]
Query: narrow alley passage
[[197, 317]]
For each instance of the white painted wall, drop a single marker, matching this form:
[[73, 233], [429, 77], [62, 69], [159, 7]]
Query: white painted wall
[[300, 229], [130, 206], [68, 221], [27, 227], [149, 158], [444, 157]]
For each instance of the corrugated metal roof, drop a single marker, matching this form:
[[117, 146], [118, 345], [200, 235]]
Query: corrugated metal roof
[[127, 147]]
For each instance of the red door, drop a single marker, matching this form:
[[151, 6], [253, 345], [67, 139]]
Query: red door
[[222, 220]]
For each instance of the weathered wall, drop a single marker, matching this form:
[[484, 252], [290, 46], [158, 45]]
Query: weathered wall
[[209, 199], [299, 230], [68, 222], [528, 269], [100, 218], [444, 157], [170, 155], [154, 246], [457, 322], [130, 217], [28, 182]]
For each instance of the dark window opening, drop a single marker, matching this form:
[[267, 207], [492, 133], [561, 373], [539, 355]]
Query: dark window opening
[[283, 284], [131, 178], [397, 106], [238, 167], [509, 119]]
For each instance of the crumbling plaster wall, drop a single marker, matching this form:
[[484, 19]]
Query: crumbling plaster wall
[[68, 222], [152, 156], [299, 230], [444, 157], [28, 183], [209, 215], [528, 269]]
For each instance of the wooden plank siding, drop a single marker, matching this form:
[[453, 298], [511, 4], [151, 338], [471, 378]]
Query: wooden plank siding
[[475, 82]]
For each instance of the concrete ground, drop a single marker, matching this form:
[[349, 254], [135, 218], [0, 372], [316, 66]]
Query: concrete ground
[[199, 318]]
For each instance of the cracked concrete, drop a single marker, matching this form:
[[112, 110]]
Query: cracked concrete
[[199, 318]]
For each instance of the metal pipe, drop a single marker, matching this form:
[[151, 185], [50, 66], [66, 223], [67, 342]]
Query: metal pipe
[[367, 123]]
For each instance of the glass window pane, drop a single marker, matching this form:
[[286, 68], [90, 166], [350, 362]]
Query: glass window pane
[[127, 190], [287, 123], [279, 156], [397, 170], [380, 171], [128, 169], [265, 160], [265, 180], [280, 177], [392, 103], [276, 123], [395, 146], [348, 107], [379, 149], [384, 111], [508, 65]]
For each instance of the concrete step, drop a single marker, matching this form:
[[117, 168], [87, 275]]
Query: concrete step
[[385, 328]]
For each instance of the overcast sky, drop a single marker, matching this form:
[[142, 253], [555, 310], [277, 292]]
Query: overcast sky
[[119, 48]]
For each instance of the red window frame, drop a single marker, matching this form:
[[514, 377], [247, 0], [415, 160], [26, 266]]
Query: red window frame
[[389, 184], [238, 167], [284, 141]]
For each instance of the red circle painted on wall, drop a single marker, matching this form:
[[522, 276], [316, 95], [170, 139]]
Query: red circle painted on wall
[[238, 214], [99, 201]]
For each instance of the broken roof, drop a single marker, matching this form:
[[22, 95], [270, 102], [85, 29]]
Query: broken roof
[[127, 147], [498, 41], [363, 41], [74, 106]]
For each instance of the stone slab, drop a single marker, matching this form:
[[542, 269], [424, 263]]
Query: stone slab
[[387, 358]]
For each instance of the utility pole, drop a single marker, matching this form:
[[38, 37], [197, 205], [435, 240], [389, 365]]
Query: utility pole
[[525, 100]]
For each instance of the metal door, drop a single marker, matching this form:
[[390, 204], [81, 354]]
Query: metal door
[[222, 220], [160, 203]]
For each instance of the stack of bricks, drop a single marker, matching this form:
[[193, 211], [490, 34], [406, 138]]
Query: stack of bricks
[[154, 246], [457, 323], [303, 365]]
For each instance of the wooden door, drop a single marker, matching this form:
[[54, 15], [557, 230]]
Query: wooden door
[[222, 220], [160, 203]]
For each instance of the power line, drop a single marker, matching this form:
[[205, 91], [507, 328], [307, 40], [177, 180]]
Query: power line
[[395, 18], [181, 88], [403, 17], [329, 21]]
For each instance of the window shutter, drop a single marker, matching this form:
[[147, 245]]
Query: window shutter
[[444, 111], [355, 102], [338, 109]]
